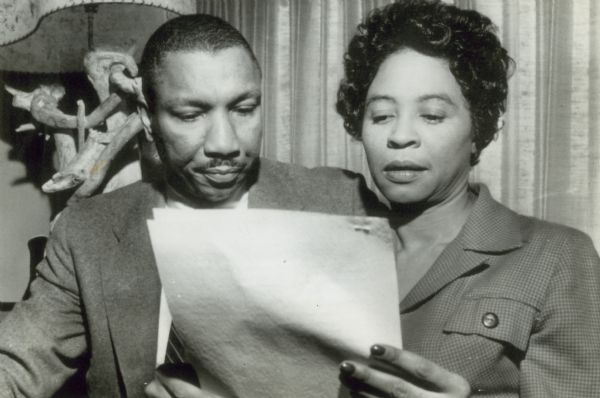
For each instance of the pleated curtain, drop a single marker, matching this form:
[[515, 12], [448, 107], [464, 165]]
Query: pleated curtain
[[545, 161]]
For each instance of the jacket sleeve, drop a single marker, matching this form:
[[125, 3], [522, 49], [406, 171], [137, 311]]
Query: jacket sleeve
[[562, 359], [43, 339]]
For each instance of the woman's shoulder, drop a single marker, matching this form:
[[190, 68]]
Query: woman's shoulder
[[553, 235], [544, 253], [537, 252], [552, 252], [530, 231]]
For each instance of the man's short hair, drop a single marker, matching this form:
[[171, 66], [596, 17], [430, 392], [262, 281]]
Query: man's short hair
[[195, 32]]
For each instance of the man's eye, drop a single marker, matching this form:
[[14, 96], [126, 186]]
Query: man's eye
[[189, 117], [246, 109], [381, 119], [432, 118]]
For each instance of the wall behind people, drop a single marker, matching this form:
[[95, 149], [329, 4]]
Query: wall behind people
[[26, 162], [545, 162], [24, 209]]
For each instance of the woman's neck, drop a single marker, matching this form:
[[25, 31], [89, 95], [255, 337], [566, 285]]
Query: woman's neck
[[439, 224]]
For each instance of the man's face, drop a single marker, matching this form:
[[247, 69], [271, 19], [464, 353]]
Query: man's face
[[206, 120]]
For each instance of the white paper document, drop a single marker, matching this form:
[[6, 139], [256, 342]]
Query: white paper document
[[269, 302]]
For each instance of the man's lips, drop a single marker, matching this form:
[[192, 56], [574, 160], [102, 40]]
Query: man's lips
[[403, 171], [222, 170], [221, 175]]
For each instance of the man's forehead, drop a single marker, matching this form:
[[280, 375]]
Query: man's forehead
[[204, 76], [209, 53]]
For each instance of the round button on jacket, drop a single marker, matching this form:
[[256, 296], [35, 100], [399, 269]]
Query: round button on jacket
[[490, 320]]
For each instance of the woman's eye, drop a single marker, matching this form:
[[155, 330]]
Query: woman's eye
[[381, 119], [432, 118]]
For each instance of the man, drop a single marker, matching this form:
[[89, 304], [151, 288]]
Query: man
[[96, 305]]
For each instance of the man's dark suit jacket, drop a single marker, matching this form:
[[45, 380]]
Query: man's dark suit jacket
[[95, 303]]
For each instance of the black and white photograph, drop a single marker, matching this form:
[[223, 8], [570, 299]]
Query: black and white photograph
[[299, 198]]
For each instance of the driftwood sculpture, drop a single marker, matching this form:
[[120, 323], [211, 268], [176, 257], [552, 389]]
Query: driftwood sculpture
[[84, 152]]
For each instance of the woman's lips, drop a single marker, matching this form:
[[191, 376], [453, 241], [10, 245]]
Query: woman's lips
[[402, 172]]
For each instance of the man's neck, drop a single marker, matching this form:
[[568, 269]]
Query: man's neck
[[175, 199]]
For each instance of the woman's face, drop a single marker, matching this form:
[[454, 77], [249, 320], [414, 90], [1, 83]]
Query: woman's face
[[417, 130]]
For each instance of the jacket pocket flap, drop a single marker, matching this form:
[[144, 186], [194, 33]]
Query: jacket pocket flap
[[494, 318]]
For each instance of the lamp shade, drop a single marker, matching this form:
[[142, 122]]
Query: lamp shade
[[51, 36]]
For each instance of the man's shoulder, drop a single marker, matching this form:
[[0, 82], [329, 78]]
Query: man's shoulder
[[298, 174], [113, 204], [322, 189]]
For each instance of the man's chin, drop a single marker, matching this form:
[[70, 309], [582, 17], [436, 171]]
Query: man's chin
[[217, 195]]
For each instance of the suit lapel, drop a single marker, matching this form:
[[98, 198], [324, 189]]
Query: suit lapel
[[490, 229], [131, 288], [452, 263]]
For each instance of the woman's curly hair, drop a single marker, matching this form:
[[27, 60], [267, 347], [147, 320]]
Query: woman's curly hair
[[465, 38]]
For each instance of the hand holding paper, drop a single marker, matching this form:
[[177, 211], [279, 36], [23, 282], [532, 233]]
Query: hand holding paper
[[269, 302]]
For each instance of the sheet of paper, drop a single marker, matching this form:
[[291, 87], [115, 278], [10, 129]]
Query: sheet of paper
[[269, 302]]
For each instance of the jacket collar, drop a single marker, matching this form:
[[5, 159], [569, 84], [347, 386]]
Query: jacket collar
[[490, 229]]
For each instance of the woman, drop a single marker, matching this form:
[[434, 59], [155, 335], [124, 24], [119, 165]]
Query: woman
[[498, 304]]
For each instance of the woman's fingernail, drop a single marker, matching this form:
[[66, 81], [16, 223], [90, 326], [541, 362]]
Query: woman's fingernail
[[377, 350], [347, 368]]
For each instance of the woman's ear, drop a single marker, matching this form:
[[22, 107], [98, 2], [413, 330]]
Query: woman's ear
[[146, 123]]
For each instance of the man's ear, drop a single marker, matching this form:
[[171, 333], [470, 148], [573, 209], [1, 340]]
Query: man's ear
[[146, 123]]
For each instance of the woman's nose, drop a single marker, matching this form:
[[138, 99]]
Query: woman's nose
[[221, 139], [403, 135]]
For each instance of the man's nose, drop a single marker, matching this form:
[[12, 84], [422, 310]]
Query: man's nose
[[403, 134], [221, 139]]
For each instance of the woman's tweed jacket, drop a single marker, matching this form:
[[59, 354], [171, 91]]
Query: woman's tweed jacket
[[513, 305]]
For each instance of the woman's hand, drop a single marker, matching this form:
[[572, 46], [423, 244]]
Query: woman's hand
[[398, 373]]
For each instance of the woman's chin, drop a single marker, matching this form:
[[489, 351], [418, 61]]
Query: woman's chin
[[404, 195]]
